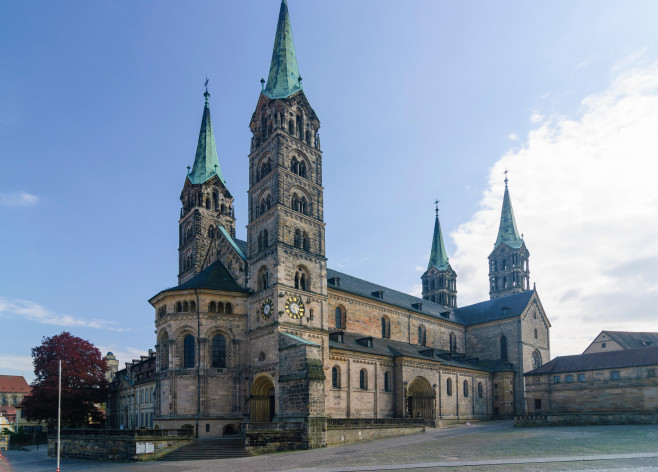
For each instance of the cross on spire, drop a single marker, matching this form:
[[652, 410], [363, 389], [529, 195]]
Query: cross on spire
[[506, 179], [436, 209]]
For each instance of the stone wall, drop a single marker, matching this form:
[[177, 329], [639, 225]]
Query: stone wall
[[341, 431], [576, 419], [116, 445]]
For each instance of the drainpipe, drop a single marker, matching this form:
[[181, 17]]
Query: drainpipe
[[198, 364]]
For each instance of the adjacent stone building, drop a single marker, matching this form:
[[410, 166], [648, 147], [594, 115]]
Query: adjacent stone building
[[606, 387], [132, 394], [262, 332]]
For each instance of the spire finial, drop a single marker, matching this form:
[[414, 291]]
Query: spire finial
[[206, 94], [188, 170], [436, 209], [506, 179]]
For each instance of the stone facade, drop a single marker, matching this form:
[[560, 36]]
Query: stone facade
[[132, 394], [261, 336], [619, 386]]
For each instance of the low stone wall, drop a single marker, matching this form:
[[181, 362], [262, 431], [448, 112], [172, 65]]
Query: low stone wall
[[117, 445], [261, 438], [586, 419], [347, 430]]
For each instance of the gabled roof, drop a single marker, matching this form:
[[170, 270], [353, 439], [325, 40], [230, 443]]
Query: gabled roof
[[599, 360], [390, 348], [235, 243], [438, 256], [507, 232], [206, 163], [509, 306], [367, 289], [633, 340], [283, 79], [13, 384], [214, 277]]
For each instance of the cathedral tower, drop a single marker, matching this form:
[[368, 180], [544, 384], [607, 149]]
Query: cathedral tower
[[206, 203], [439, 280], [509, 269], [287, 269]]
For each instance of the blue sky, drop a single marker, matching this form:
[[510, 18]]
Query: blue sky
[[100, 106]]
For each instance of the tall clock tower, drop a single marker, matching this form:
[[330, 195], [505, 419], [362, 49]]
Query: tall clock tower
[[285, 234]]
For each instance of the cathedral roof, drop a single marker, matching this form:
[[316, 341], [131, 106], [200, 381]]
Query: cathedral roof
[[438, 257], [239, 246], [206, 163], [370, 290], [387, 347], [509, 306], [283, 79], [599, 360], [214, 277], [507, 232]]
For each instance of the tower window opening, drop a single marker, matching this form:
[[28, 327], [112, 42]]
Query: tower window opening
[[294, 165], [212, 307], [291, 127], [302, 169], [215, 200], [218, 351], [208, 204], [188, 351], [298, 239], [186, 307], [263, 279], [306, 241], [308, 137]]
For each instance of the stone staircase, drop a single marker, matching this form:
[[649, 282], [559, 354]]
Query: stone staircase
[[215, 448]]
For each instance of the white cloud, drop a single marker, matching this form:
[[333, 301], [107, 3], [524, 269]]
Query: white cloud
[[18, 199], [584, 193], [125, 354], [16, 364], [513, 136], [416, 290], [13, 307]]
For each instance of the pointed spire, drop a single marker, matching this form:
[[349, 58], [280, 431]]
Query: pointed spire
[[284, 79], [507, 232], [438, 256], [206, 163]]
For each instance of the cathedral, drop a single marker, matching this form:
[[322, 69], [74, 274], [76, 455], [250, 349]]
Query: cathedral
[[263, 332]]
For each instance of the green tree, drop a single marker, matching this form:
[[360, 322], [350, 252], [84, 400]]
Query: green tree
[[84, 386]]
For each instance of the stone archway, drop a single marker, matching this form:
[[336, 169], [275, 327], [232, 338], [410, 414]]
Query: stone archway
[[420, 399], [262, 403]]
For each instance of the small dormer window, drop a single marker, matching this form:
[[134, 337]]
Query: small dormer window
[[505, 310], [417, 306], [336, 337], [378, 294], [335, 281], [366, 342]]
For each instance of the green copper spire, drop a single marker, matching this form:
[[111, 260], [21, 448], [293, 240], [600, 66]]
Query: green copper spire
[[206, 163], [284, 79], [438, 257], [507, 232]]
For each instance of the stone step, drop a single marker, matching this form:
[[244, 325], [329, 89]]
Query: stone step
[[208, 449]]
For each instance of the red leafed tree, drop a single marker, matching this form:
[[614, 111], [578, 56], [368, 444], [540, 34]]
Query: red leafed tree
[[84, 386]]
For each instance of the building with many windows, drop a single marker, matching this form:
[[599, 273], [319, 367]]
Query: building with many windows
[[262, 331], [131, 399]]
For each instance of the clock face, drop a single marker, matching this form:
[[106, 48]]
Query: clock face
[[266, 309], [294, 308]]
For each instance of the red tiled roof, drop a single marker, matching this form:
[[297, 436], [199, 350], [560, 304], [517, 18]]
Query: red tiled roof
[[13, 384]]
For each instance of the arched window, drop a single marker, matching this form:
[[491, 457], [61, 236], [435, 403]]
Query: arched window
[[340, 317], [218, 351], [504, 282], [449, 387], [386, 327], [301, 279], [294, 202], [265, 239], [308, 137], [186, 307], [387, 382], [302, 169], [453, 342], [212, 307], [363, 379], [466, 388], [263, 278], [192, 305], [188, 351], [536, 359], [229, 308], [503, 347], [220, 307], [294, 165], [535, 333], [335, 377], [208, 204], [298, 238], [215, 200], [306, 244], [265, 168], [479, 389], [432, 286], [422, 335], [179, 307], [291, 127], [302, 205]]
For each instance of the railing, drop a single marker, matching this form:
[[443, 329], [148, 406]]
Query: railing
[[271, 426], [336, 423], [126, 433]]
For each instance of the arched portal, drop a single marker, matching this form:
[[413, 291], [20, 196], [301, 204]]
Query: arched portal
[[420, 399], [262, 400]]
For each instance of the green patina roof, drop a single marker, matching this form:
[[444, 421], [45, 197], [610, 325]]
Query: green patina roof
[[507, 232], [438, 257], [283, 79], [206, 163]]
